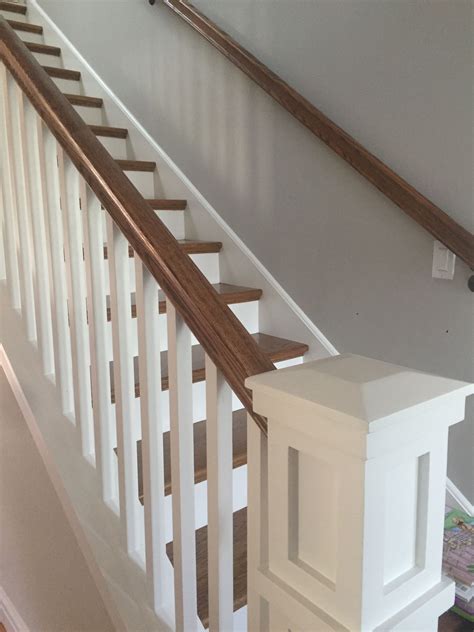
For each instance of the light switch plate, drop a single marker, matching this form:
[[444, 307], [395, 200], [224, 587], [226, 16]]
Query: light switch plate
[[443, 262]]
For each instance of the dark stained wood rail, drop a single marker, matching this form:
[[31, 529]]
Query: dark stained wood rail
[[233, 350], [412, 202]]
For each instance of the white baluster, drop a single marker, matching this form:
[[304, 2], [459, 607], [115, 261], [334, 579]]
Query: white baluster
[[24, 194], [126, 408], [219, 504], [32, 138], [104, 419], [55, 248], [182, 470], [149, 345], [75, 274], [23, 213], [257, 525], [9, 193]]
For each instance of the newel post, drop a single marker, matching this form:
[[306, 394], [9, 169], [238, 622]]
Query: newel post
[[346, 497]]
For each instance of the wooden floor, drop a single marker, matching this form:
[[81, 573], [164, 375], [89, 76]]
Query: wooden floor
[[451, 622]]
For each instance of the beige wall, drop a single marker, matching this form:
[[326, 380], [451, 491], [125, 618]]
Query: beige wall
[[42, 570], [398, 74]]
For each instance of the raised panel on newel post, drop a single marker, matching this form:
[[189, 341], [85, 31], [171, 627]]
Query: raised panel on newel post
[[346, 500]]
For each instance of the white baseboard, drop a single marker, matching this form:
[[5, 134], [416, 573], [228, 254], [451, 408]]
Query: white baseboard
[[456, 498], [9, 615]]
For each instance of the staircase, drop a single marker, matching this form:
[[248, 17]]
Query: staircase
[[149, 337], [144, 175]]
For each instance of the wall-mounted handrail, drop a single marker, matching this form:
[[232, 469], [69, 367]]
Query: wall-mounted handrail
[[412, 202], [223, 337]]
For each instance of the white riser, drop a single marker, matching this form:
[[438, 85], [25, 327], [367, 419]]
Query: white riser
[[143, 181], [199, 402], [173, 220], [29, 37], [247, 313], [9, 15], [239, 501], [209, 266], [207, 263], [199, 408], [200, 491], [48, 60], [199, 405], [117, 147], [68, 86], [91, 116]]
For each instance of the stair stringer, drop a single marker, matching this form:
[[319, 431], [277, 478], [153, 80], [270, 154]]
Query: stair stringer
[[279, 314]]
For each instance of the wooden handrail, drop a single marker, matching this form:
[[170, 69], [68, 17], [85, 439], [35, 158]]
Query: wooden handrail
[[412, 202], [223, 337]]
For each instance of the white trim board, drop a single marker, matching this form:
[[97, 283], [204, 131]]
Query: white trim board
[[9, 615], [326, 347], [456, 499]]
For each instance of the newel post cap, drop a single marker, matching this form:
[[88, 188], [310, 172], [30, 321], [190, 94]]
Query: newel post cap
[[358, 393]]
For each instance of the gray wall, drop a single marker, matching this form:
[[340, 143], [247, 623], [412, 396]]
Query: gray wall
[[397, 75]]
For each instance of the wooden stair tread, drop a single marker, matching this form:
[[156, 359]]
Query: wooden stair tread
[[277, 349], [80, 99], [239, 451], [162, 204], [167, 205], [110, 132], [137, 165], [230, 294], [13, 7], [189, 246], [280, 349], [195, 246], [240, 565], [62, 73], [44, 49], [26, 26]]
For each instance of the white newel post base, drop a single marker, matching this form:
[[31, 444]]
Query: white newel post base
[[346, 497]]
